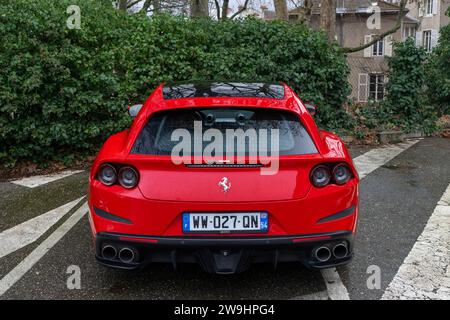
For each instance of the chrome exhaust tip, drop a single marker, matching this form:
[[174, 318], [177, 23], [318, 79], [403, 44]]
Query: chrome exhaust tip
[[109, 252], [322, 254], [126, 255], [340, 250]]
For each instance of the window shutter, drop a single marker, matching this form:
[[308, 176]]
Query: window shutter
[[388, 46], [368, 50], [419, 39], [434, 38], [363, 79], [421, 8], [386, 80], [435, 5]]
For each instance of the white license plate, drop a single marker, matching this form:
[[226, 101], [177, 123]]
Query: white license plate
[[225, 222]]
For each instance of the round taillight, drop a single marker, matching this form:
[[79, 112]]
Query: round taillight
[[341, 174], [320, 176], [107, 174], [128, 177]]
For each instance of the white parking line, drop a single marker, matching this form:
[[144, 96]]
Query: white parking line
[[375, 158], [335, 287], [29, 231], [36, 181], [23, 267], [425, 272], [365, 164], [321, 295]]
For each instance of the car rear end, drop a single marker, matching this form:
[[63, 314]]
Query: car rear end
[[224, 213]]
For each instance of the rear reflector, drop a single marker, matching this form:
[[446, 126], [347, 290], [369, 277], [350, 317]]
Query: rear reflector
[[138, 239], [310, 239]]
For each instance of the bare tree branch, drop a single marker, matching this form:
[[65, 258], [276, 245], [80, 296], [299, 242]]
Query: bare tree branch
[[376, 38], [165, 7], [147, 5], [216, 2], [244, 7], [131, 4]]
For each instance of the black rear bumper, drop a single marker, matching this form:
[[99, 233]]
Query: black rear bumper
[[223, 255]]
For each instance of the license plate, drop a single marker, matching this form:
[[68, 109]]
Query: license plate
[[225, 222]]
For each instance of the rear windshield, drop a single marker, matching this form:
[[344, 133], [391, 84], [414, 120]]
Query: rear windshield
[[223, 89], [241, 129]]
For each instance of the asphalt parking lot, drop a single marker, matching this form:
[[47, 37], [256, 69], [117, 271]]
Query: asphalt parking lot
[[402, 247]]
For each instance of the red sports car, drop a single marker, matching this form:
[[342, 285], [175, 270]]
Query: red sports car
[[223, 174]]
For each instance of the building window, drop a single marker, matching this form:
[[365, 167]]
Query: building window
[[294, 17], [426, 41], [376, 87], [378, 48], [409, 32], [428, 7]]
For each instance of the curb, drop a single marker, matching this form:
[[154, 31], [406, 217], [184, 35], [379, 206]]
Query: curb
[[386, 137]]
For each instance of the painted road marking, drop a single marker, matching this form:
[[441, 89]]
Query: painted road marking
[[425, 272], [365, 164], [29, 231], [36, 181], [321, 295], [335, 287], [23, 267], [375, 158]]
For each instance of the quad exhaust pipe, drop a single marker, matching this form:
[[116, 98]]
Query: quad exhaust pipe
[[324, 253], [125, 254], [109, 252], [340, 250]]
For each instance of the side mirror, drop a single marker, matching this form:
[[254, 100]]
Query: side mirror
[[134, 110], [311, 107]]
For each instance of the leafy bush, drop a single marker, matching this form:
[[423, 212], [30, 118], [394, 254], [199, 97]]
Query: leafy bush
[[406, 105], [63, 91], [438, 73]]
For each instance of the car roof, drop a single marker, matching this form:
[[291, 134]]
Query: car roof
[[222, 89], [201, 94]]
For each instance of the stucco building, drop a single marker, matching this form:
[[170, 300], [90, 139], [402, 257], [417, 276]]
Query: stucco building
[[355, 26]]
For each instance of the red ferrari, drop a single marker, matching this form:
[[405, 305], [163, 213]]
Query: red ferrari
[[223, 174]]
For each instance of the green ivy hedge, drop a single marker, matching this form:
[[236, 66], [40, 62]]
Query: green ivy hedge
[[438, 72], [63, 92], [407, 105]]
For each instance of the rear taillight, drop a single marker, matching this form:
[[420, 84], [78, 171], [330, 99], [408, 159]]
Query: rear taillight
[[124, 175], [128, 177], [320, 176], [324, 174], [107, 174], [341, 174]]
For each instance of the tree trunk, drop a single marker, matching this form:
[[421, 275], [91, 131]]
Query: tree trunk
[[225, 9], [156, 6], [123, 5], [328, 18], [307, 12], [281, 11], [199, 8]]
